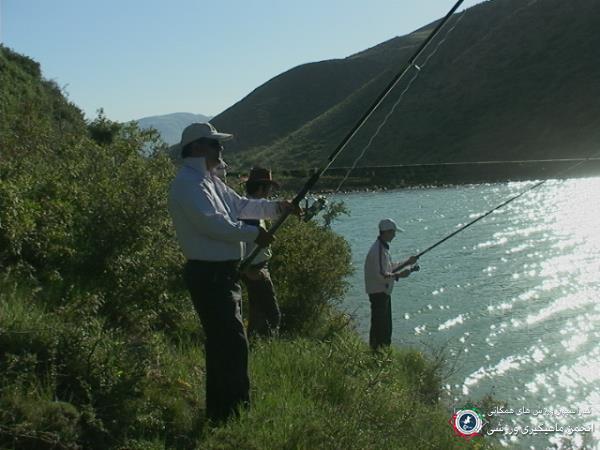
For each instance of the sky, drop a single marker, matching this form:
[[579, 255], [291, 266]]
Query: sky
[[137, 58]]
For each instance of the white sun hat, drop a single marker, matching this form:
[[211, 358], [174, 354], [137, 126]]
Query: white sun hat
[[388, 225], [197, 131]]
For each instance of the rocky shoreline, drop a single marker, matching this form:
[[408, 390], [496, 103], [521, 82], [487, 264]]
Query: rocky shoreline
[[380, 179]]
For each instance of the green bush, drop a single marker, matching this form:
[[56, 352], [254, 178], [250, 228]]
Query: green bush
[[86, 212], [309, 268], [67, 377], [94, 216]]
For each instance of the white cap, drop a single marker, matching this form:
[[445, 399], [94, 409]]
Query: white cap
[[197, 131], [389, 224]]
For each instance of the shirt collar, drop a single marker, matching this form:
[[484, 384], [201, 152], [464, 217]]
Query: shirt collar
[[385, 244], [198, 164]]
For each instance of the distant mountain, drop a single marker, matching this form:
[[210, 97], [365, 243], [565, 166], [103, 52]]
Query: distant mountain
[[514, 80], [170, 126]]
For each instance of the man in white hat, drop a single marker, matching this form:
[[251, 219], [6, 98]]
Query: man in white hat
[[207, 217], [380, 274]]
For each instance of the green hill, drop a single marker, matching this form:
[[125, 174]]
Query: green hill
[[291, 99], [513, 80], [32, 106]]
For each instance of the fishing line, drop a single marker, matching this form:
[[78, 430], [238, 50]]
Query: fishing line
[[493, 29], [480, 163], [400, 97], [485, 36], [501, 205]]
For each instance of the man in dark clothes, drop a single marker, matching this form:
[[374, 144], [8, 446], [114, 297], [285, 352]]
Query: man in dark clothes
[[264, 315]]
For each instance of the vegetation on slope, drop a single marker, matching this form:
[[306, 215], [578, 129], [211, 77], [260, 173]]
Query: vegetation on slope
[[99, 344]]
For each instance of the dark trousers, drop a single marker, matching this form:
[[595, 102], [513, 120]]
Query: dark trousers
[[216, 295], [381, 320], [264, 314]]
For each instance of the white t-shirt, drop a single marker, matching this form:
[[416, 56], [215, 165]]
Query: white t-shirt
[[378, 269]]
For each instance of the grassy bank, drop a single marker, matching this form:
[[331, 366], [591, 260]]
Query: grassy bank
[[69, 382]]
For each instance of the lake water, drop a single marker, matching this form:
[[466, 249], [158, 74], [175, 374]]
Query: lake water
[[514, 298]]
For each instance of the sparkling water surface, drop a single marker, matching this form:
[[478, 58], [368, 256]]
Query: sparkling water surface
[[514, 299]]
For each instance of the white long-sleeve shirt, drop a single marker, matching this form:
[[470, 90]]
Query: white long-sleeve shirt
[[205, 213], [378, 269]]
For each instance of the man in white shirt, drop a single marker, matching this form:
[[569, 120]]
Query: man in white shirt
[[206, 214], [380, 274]]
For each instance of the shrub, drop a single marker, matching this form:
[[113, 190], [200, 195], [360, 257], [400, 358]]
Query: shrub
[[68, 380], [94, 216], [309, 266]]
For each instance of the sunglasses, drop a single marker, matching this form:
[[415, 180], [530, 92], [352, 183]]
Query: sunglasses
[[213, 143]]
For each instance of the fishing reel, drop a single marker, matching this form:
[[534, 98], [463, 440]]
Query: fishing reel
[[319, 203], [411, 269]]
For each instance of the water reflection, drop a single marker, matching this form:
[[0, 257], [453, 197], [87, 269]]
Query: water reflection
[[524, 282]]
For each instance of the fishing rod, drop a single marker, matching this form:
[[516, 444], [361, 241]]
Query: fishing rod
[[501, 205], [421, 66], [315, 177], [391, 111], [464, 227]]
